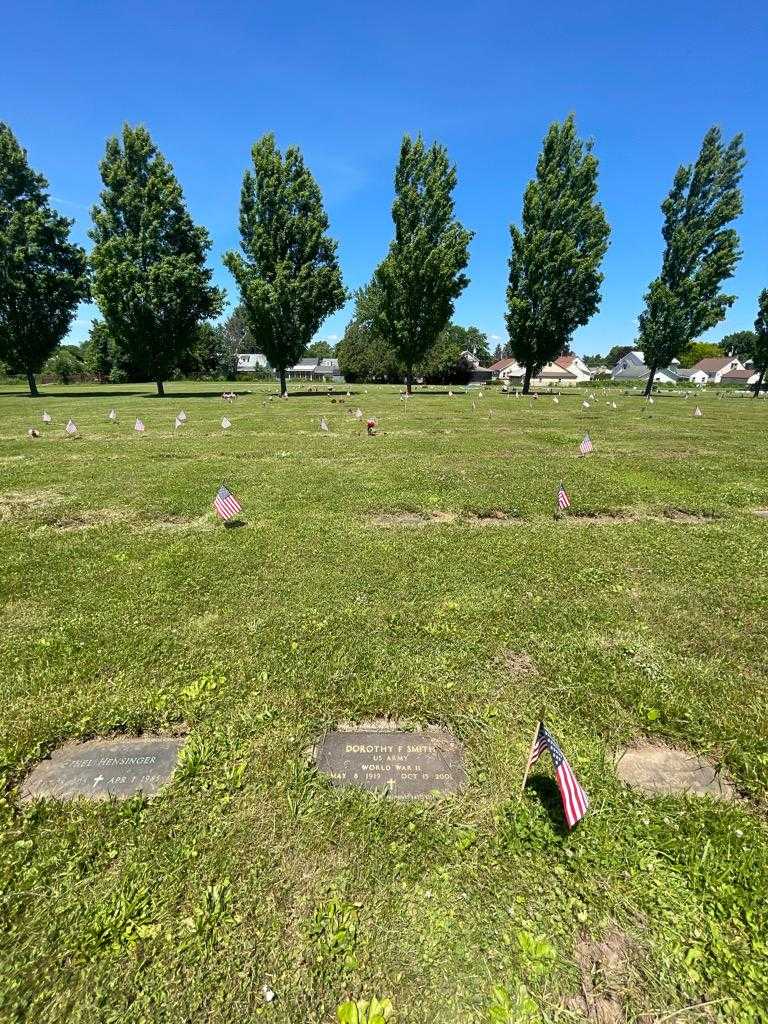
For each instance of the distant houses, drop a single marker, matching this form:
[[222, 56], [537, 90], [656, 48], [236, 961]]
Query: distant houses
[[309, 368], [511, 371], [250, 362]]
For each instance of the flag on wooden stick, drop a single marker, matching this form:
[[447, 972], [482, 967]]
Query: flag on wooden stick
[[225, 424], [697, 411], [46, 417], [71, 427], [112, 415], [575, 800], [139, 426], [226, 504], [182, 416], [586, 445], [323, 425], [563, 501]]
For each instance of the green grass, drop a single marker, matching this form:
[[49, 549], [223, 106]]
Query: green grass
[[126, 608]]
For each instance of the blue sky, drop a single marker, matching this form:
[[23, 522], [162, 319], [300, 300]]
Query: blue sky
[[344, 81]]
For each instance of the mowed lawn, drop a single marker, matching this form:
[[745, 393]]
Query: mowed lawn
[[127, 608]]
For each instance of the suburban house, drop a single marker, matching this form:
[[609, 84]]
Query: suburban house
[[552, 374], [478, 374], [632, 369], [698, 377], [314, 368], [719, 367], [576, 366], [249, 362]]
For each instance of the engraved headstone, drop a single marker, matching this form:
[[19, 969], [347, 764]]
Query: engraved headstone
[[100, 769], [403, 764]]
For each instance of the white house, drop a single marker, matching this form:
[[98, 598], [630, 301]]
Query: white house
[[576, 366], [248, 362], [549, 375], [698, 377], [716, 368]]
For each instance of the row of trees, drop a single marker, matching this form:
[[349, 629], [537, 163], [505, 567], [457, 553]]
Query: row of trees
[[147, 270]]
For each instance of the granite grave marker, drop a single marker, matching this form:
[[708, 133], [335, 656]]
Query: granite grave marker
[[100, 769], [401, 763]]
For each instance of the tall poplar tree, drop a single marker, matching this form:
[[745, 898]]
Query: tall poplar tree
[[554, 270], [43, 276], [758, 351], [701, 252], [288, 274], [150, 279], [422, 273]]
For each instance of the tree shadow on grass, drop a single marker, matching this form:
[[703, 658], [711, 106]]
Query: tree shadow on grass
[[74, 394], [546, 790], [234, 524]]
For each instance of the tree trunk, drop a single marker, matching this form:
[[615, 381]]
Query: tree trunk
[[160, 389], [34, 393], [759, 384], [408, 380], [283, 387], [649, 385], [527, 380]]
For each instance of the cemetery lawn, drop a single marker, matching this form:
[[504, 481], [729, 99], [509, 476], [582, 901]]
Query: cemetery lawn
[[127, 609]]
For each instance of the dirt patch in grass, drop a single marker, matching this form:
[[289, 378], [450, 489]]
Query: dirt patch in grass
[[493, 518], [656, 769], [600, 518], [16, 504], [602, 966], [762, 512], [681, 515], [518, 663], [388, 519], [182, 523], [88, 519]]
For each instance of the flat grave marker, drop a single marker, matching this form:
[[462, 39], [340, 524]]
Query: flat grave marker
[[404, 764], [100, 769]]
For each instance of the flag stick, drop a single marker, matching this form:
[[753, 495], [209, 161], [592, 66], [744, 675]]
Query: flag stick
[[530, 755]]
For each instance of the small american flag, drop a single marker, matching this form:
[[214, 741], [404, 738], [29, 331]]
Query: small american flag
[[697, 411], [575, 800], [71, 427], [182, 416], [139, 426], [650, 401], [563, 501], [585, 405], [226, 504], [112, 415], [225, 424], [178, 422], [556, 400], [358, 414], [46, 417], [323, 424], [586, 445]]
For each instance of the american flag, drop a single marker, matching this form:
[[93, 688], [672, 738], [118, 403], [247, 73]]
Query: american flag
[[225, 424], [323, 424], [71, 427], [46, 417], [226, 504], [112, 415], [182, 416], [697, 411], [586, 445], [575, 800], [139, 426], [563, 501]]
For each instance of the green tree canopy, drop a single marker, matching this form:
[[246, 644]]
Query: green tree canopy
[[697, 350], [98, 351], [422, 273], [150, 279], [758, 352], [43, 276], [363, 353], [554, 270], [65, 364], [739, 343], [288, 274], [321, 349], [701, 252]]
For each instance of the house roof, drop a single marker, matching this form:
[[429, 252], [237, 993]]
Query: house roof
[[565, 361], [554, 370], [737, 375], [713, 365], [502, 364]]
